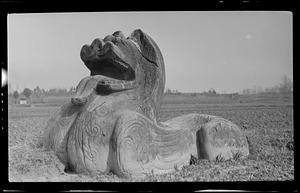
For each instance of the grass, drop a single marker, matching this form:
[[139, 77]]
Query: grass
[[267, 122]]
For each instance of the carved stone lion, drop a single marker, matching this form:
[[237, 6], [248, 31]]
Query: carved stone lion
[[111, 125]]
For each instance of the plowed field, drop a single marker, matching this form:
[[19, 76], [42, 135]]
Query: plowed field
[[266, 120]]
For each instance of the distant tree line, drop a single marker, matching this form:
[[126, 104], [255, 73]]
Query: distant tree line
[[39, 93], [210, 92], [285, 86], [169, 91]]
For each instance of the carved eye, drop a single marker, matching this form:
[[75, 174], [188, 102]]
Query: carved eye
[[97, 43]]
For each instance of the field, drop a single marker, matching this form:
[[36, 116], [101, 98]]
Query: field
[[267, 121]]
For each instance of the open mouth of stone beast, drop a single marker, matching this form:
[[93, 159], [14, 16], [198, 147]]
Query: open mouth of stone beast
[[116, 74]]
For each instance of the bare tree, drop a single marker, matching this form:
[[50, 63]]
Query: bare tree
[[286, 84]]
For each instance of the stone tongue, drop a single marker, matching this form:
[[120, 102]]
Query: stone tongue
[[115, 85], [88, 84], [100, 83]]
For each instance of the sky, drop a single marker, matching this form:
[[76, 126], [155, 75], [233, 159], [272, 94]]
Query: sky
[[225, 50]]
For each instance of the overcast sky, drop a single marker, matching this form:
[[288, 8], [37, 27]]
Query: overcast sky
[[227, 51]]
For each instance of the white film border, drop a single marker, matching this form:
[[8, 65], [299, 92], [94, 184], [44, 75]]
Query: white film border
[[3, 77]]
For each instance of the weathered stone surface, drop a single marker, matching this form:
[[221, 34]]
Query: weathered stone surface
[[110, 124]]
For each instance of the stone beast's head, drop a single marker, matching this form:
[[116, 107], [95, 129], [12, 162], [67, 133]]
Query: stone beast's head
[[135, 59]]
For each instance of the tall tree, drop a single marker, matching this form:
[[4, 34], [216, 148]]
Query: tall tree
[[16, 95], [37, 90], [27, 92]]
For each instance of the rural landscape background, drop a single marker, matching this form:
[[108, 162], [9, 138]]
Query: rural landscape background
[[234, 64], [264, 115]]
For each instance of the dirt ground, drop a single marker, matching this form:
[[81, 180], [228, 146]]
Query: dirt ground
[[266, 121]]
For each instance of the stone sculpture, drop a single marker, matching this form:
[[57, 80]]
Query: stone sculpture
[[111, 125]]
